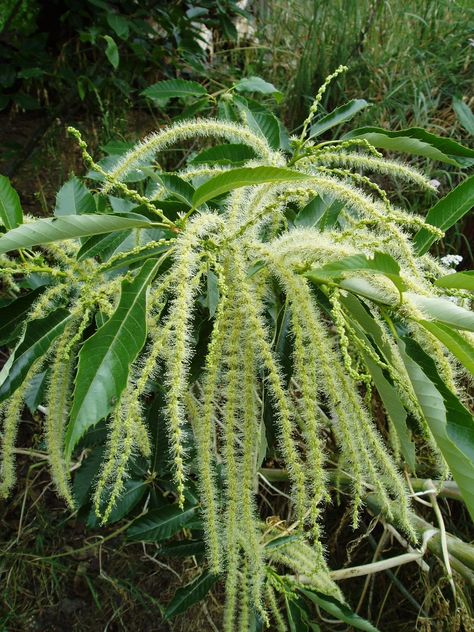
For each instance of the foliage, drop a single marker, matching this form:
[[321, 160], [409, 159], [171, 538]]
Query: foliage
[[65, 51], [264, 300]]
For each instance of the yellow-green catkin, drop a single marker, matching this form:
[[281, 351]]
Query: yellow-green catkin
[[283, 408], [58, 400], [11, 411]]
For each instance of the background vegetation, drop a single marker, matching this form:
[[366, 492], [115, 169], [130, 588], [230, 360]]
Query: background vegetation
[[91, 64]]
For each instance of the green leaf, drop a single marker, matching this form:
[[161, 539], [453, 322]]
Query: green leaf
[[119, 24], [338, 610], [183, 548], [445, 213], [133, 492], [340, 115], [74, 198], [178, 187], [35, 392], [464, 115], [381, 263], [12, 315], [86, 475], [242, 177], [39, 335], [212, 296], [450, 422], [443, 310], [105, 358], [161, 524], [461, 348], [44, 231], [461, 280], [162, 91], [257, 84], [111, 51], [418, 142], [310, 215], [232, 153], [11, 214], [190, 594], [100, 243], [266, 124]]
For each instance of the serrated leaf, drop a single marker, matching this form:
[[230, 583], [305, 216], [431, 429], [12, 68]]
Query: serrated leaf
[[266, 124], [44, 231], [39, 335], [442, 309], [11, 214], [178, 187], [232, 153], [160, 524], [190, 594], [132, 493], [464, 115], [242, 177], [74, 198], [461, 348], [450, 422], [97, 244], [12, 314], [257, 84], [338, 610], [418, 142], [111, 51], [105, 358], [460, 280], [86, 475], [340, 115], [170, 88], [445, 213], [380, 263]]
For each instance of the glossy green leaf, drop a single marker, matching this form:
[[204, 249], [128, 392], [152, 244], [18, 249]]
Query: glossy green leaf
[[461, 348], [450, 422], [310, 214], [35, 393], [132, 493], [256, 84], [85, 476], [232, 153], [444, 310], [170, 88], [364, 288], [97, 244], [266, 124], [417, 141], [190, 594], [11, 214], [161, 524], [460, 280], [111, 51], [340, 115], [59, 228], [74, 198], [445, 213], [381, 263], [243, 177], [338, 610], [105, 358], [464, 115], [12, 314], [177, 187], [39, 335]]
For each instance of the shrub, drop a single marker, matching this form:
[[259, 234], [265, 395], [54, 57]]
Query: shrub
[[263, 300]]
